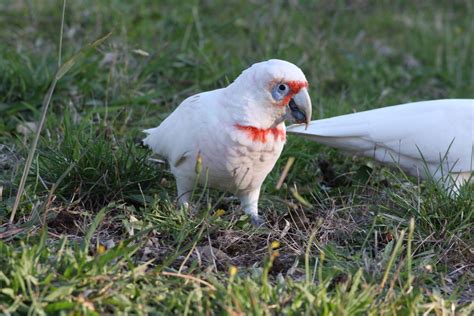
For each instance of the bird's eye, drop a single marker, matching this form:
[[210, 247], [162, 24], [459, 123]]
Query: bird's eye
[[280, 91]]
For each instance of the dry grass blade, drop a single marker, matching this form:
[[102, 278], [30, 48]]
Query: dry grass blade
[[299, 197], [10, 232], [287, 168], [391, 261], [61, 34], [31, 154], [190, 277], [46, 101]]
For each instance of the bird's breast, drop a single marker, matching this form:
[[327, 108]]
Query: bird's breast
[[240, 158]]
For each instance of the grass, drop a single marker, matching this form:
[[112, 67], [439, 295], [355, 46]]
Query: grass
[[97, 230]]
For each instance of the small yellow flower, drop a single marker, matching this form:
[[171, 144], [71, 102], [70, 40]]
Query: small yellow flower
[[198, 167], [101, 249], [233, 271], [220, 212], [275, 244]]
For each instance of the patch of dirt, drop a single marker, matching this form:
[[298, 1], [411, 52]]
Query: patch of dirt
[[64, 221]]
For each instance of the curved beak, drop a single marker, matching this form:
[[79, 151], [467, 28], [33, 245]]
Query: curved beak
[[300, 107]]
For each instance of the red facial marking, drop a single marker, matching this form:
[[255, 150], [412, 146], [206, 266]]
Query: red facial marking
[[261, 134], [295, 87]]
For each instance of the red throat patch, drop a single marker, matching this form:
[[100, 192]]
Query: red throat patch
[[262, 134]]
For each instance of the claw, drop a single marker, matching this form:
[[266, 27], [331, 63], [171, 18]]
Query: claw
[[257, 222]]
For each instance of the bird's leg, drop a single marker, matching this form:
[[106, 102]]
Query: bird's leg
[[184, 186], [249, 203]]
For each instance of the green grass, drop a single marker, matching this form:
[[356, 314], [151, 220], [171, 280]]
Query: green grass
[[97, 231]]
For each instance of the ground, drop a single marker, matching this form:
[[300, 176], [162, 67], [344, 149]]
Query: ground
[[97, 230]]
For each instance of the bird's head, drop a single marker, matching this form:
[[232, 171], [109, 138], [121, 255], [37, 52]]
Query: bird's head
[[271, 92]]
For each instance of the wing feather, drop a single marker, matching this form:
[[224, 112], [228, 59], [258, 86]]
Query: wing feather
[[176, 136], [429, 128]]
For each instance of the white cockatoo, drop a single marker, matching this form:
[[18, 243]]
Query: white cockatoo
[[237, 133], [428, 138]]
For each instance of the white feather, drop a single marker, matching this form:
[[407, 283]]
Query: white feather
[[435, 134]]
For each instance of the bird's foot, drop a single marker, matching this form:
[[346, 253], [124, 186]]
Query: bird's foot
[[257, 221], [185, 206]]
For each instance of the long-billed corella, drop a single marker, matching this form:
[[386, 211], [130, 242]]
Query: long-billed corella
[[235, 133]]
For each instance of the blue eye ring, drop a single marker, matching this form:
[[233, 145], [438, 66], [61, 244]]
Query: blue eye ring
[[279, 91]]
